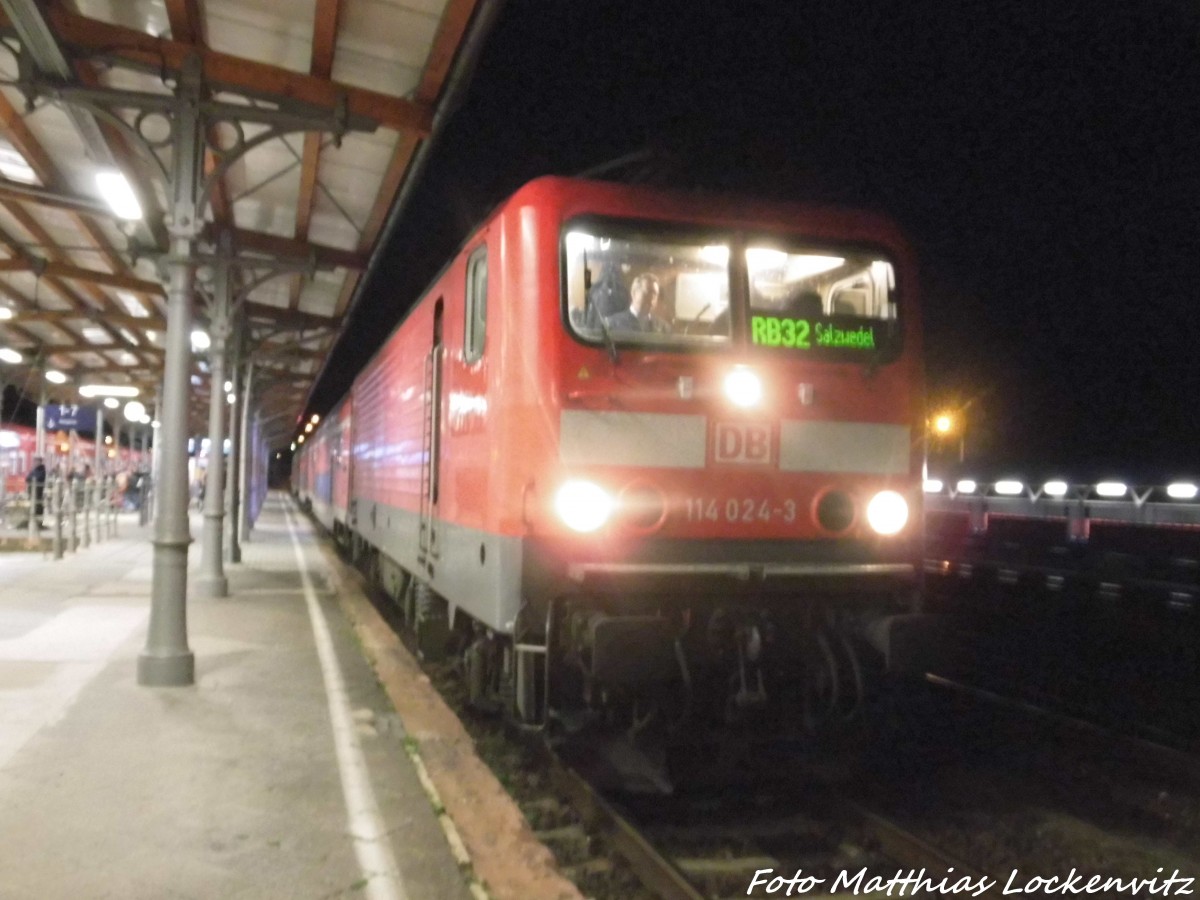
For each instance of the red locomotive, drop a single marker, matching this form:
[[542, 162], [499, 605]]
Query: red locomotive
[[637, 453]]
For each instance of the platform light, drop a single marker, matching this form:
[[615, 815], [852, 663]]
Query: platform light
[[108, 390], [583, 506], [6, 313], [1181, 490], [308, 427], [135, 411], [112, 402], [887, 512], [1111, 489], [15, 167], [1009, 488], [300, 439], [743, 387], [115, 189], [1055, 488], [9, 355], [966, 486], [55, 377], [315, 418], [933, 486], [133, 305], [200, 340], [293, 446]]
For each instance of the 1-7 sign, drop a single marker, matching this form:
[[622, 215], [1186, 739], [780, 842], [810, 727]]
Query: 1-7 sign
[[70, 417]]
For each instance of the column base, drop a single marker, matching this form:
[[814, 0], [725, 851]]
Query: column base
[[178, 670], [209, 588]]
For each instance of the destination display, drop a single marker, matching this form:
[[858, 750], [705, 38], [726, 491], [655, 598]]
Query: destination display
[[806, 334]]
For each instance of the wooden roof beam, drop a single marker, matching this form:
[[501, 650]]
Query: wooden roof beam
[[54, 270], [324, 40], [225, 72], [453, 25], [67, 316], [287, 248], [46, 171], [279, 317], [71, 272]]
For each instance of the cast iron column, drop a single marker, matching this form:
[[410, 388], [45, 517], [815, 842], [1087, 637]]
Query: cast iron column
[[247, 452], [167, 659], [212, 581], [235, 456]]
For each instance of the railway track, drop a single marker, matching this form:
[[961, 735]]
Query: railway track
[[1169, 760], [702, 848], [709, 846]]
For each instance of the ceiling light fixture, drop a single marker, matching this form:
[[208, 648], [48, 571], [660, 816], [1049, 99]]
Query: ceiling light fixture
[[114, 188], [108, 390], [14, 166]]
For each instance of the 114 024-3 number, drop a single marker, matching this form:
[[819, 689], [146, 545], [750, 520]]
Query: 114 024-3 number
[[740, 510]]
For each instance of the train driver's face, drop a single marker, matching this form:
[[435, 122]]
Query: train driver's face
[[646, 297]]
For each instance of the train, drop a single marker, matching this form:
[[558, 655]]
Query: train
[[640, 458], [18, 446]]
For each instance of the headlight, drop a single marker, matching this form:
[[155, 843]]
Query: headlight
[[583, 506], [887, 512], [743, 387]]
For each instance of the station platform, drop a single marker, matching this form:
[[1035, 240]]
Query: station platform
[[310, 758]]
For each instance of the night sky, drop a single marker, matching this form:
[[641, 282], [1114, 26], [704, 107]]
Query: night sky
[[1043, 158]]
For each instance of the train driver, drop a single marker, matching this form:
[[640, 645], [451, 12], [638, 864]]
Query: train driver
[[645, 308]]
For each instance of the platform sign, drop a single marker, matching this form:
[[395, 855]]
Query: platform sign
[[70, 417]]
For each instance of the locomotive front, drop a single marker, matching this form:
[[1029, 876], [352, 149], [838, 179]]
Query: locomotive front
[[732, 531]]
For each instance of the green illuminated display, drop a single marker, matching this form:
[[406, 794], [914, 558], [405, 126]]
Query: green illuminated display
[[768, 331]]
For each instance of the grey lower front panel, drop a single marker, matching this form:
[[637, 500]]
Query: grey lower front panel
[[488, 576], [476, 571]]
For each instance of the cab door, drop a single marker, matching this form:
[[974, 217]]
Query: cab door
[[431, 443]]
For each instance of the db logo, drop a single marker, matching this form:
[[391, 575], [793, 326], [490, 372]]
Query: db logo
[[742, 443]]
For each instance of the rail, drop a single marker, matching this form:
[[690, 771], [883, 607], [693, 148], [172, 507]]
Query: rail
[[668, 878]]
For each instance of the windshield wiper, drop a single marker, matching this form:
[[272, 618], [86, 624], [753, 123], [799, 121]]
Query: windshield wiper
[[589, 307], [687, 327], [608, 339]]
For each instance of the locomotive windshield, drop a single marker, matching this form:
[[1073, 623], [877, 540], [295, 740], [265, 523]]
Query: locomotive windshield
[[674, 290], [647, 289]]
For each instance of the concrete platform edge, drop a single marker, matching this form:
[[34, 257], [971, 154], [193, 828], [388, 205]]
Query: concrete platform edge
[[507, 859]]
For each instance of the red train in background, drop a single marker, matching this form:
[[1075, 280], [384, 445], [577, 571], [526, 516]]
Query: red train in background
[[18, 445], [644, 457]]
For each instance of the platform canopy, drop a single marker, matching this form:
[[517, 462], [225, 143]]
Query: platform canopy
[[89, 89]]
